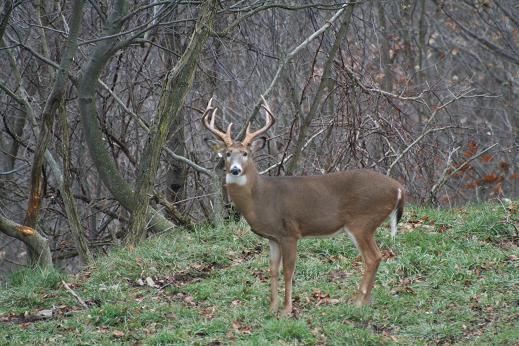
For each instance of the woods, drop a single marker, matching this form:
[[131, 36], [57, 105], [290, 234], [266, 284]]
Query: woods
[[101, 102]]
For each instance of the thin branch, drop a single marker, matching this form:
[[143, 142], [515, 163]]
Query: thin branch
[[13, 170], [444, 179], [410, 146], [485, 43], [464, 94], [288, 157], [288, 58], [71, 291], [140, 121], [144, 125], [254, 11]]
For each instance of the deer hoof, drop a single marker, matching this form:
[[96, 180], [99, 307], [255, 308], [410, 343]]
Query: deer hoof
[[360, 300]]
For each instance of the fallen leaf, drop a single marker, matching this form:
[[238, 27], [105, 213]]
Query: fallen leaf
[[103, 329], [339, 275], [442, 229], [43, 314], [118, 333], [240, 328], [388, 255], [208, 312], [150, 282]]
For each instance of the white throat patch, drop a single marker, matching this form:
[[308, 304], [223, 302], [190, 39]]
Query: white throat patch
[[236, 179]]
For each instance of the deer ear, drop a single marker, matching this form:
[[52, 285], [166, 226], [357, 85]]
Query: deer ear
[[258, 144], [215, 146]]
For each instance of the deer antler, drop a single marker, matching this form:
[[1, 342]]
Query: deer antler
[[208, 121], [269, 119]]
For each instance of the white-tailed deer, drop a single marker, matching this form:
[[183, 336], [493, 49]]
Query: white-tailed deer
[[286, 209]]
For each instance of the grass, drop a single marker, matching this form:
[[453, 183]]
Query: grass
[[451, 277]]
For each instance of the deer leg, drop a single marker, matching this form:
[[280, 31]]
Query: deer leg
[[275, 261], [289, 253], [372, 257]]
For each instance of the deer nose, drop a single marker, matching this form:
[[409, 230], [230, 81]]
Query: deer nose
[[235, 170]]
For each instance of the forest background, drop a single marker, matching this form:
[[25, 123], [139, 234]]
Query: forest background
[[101, 140]]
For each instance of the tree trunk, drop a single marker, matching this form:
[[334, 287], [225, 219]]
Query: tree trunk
[[305, 124], [102, 159], [387, 81], [174, 91], [34, 241], [49, 112]]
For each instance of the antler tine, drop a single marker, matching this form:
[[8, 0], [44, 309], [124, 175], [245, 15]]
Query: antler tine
[[266, 107], [269, 119], [208, 121]]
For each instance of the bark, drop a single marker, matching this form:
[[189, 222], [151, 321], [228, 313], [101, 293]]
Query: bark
[[49, 113], [7, 152], [174, 91], [77, 229], [4, 19], [101, 157], [218, 198], [422, 31], [34, 241], [19, 116], [307, 120], [78, 232], [384, 49], [177, 171]]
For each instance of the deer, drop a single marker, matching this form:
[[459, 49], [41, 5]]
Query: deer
[[285, 209]]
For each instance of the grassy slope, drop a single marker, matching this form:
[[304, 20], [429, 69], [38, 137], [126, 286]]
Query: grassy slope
[[450, 277]]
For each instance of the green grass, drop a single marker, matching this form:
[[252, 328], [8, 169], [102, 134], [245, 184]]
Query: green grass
[[451, 277]]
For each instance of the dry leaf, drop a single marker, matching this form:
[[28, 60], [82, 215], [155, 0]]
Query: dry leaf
[[240, 328], [150, 282], [118, 334], [44, 314]]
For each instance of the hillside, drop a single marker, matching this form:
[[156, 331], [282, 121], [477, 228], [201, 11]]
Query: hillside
[[451, 276]]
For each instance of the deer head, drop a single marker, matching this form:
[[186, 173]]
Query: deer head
[[237, 154]]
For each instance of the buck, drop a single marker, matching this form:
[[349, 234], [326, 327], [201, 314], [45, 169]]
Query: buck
[[286, 209]]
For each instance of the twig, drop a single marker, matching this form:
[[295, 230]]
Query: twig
[[145, 126], [285, 160], [410, 146], [71, 291], [13, 170], [442, 181], [287, 59]]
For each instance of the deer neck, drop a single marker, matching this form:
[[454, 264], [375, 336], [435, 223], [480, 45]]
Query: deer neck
[[241, 190]]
